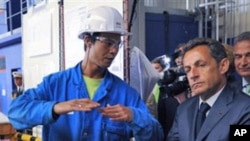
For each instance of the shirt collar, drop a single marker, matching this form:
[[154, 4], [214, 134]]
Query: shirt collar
[[211, 100], [244, 82]]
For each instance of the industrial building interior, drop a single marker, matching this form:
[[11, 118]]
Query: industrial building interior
[[158, 26]]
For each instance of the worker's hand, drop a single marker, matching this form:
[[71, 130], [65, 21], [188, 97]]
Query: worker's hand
[[117, 113], [75, 105]]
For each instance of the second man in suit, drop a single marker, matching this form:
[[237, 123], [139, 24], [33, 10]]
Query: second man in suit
[[242, 60]]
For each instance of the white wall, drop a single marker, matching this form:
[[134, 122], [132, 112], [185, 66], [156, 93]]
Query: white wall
[[40, 43], [40, 46]]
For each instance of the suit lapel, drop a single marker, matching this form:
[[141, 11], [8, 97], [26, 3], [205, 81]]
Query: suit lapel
[[192, 112], [218, 110]]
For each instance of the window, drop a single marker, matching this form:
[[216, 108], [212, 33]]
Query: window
[[14, 10]]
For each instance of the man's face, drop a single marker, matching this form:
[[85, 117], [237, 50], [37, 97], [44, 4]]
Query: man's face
[[178, 60], [205, 76], [157, 66], [242, 58], [18, 81], [104, 50]]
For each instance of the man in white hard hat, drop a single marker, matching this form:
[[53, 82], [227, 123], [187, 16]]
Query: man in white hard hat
[[87, 102]]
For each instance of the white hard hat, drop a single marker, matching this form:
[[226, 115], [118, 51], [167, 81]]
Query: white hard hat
[[17, 74], [103, 19]]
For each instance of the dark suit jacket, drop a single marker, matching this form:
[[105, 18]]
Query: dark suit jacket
[[16, 93], [231, 108], [167, 107]]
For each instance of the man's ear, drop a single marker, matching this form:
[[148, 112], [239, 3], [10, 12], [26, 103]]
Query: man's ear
[[224, 65], [86, 40]]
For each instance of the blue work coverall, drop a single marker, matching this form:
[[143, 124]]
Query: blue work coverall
[[35, 107]]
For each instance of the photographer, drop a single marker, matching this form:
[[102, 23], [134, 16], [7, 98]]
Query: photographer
[[177, 57], [159, 65], [173, 90]]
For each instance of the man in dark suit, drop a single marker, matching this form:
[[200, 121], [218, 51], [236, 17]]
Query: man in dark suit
[[18, 80], [206, 65]]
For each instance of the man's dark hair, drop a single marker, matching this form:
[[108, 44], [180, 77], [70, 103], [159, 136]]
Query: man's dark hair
[[242, 37], [179, 46], [92, 38], [216, 49], [177, 51]]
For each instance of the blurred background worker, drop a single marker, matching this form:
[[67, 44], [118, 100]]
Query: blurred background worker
[[152, 101], [158, 64], [18, 80], [173, 90], [184, 93], [170, 91], [232, 77], [177, 55]]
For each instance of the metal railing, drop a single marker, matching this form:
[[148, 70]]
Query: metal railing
[[226, 18]]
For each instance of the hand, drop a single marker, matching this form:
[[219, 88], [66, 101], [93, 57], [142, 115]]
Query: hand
[[75, 105], [117, 113]]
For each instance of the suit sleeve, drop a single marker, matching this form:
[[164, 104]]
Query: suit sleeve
[[173, 134]]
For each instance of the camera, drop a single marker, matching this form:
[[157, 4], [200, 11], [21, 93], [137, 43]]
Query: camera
[[174, 81]]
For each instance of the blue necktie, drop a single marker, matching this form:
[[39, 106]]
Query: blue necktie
[[201, 115]]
